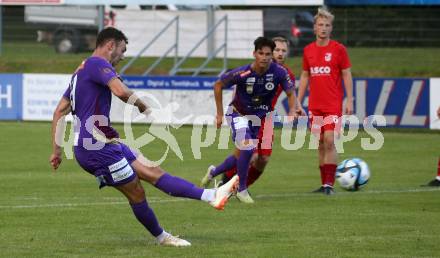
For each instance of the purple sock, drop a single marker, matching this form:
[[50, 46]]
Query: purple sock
[[229, 163], [242, 168], [178, 187], [146, 217]]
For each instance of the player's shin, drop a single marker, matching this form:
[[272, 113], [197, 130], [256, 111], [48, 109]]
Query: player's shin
[[227, 164], [253, 175], [438, 169], [178, 187], [242, 168], [146, 217]]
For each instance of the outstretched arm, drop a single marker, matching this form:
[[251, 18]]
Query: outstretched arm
[[128, 96], [63, 108]]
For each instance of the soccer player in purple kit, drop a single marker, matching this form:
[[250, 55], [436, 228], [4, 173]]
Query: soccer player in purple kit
[[250, 112], [113, 163]]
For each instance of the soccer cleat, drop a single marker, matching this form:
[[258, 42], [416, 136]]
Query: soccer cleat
[[223, 193], [175, 241], [206, 180], [433, 182], [319, 190], [244, 197], [328, 190]]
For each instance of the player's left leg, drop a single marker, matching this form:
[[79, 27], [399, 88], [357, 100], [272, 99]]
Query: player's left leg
[[176, 186], [330, 161], [263, 151], [256, 168], [332, 127], [436, 180]]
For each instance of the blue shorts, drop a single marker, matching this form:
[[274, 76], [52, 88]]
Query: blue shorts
[[111, 165]]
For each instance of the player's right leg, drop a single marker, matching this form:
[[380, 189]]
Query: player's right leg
[[135, 194], [111, 168], [321, 155]]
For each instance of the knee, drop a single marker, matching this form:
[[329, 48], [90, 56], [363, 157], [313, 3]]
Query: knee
[[137, 194], [329, 143]]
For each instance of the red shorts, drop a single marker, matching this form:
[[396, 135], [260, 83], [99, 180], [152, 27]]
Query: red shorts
[[265, 137], [319, 121]]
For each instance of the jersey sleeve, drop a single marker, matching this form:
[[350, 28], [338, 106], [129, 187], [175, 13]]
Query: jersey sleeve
[[230, 78], [344, 59], [305, 63], [102, 72], [286, 82], [67, 92], [291, 75]]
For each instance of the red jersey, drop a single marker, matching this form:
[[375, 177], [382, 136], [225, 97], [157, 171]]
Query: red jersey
[[278, 93], [325, 65]]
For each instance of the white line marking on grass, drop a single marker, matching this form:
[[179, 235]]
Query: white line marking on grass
[[62, 205], [260, 196], [361, 192]]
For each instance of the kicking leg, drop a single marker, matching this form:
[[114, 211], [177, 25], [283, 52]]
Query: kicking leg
[[179, 187]]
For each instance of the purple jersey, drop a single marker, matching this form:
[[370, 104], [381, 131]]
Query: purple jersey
[[256, 94], [90, 95]]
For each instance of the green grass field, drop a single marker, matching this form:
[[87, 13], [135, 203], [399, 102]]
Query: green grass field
[[20, 57], [63, 214]]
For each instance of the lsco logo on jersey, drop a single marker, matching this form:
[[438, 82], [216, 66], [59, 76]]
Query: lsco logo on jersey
[[320, 70]]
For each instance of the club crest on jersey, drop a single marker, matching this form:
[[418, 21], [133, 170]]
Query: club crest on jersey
[[328, 57], [250, 85], [269, 86]]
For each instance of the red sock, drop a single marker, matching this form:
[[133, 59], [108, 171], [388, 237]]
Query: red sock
[[438, 167], [321, 170], [253, 175], [329, 173], [231, 172]]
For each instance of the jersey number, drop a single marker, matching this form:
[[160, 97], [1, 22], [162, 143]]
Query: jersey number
[[72, 93]]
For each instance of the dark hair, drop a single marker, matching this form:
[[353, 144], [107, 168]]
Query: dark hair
[[110, 33], [261, 42]]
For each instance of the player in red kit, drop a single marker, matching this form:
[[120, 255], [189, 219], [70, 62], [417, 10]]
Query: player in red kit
[[325, 65], [436, 180], [261, 156]]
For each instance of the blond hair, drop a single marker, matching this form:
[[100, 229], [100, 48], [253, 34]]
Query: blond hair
[[324, 13], [281, 39]]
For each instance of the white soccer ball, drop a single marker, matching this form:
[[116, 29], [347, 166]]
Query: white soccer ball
[[352, 174]]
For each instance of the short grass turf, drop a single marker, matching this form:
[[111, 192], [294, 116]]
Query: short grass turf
[[63, 214]]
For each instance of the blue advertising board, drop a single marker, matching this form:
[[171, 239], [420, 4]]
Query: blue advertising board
[[11, 87], [170, 82]]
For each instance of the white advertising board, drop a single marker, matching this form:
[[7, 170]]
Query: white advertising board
[[41, 93], [434, 103]]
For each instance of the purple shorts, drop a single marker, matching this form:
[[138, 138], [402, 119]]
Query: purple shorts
[[110, 165], [243, 127]]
